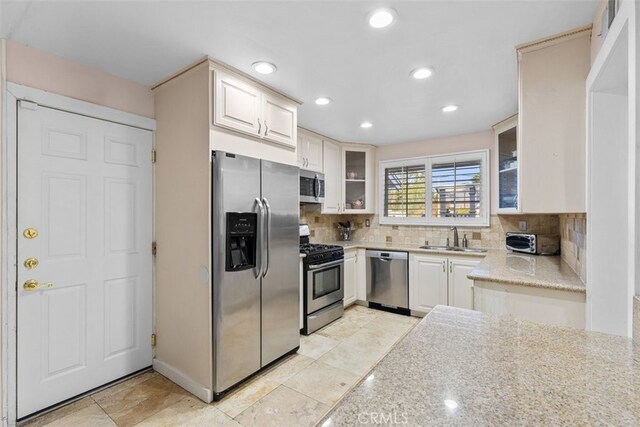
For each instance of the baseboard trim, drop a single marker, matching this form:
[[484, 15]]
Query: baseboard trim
[[195, 388]]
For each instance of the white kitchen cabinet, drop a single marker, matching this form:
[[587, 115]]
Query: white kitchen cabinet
[[243, 106], [361, 282], [237, 105], [310, 151], [350, 276], [551, 123], [507, 171], [332, 171], [280, 120], [427, 282], [442, 280], [461, 287], [357, 179]]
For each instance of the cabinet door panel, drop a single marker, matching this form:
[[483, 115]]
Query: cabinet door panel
[[280, 121], [460, 287], [332, 181], [237, 105], [314, 154], [301, 152], [350, 277], [427, 282], [356, 176]]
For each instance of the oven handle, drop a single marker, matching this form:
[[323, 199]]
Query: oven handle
[[328, 264]]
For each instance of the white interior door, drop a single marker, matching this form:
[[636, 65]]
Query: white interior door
[[84, 248]]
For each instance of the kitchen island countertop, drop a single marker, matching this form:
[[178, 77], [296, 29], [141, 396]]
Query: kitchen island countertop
[[462, 367]]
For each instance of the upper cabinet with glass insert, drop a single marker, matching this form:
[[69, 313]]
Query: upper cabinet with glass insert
[[357, 176], [507, 166]]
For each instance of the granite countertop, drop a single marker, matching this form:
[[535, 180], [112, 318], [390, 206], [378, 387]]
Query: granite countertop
[[400, 247], [462, 367], [527, 270]]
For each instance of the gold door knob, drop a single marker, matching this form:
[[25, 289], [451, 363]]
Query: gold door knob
[[30, 233], [32, 285], [31, 263]]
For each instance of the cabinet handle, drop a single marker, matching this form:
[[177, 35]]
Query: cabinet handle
[[450, 268], [259, 126], [444, 269], [266, 128]]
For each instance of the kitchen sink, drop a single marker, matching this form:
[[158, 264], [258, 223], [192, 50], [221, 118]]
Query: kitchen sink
[[453, 249]]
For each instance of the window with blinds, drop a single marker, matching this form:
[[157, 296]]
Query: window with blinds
[[456, 189], [405, 191], [441, 190]]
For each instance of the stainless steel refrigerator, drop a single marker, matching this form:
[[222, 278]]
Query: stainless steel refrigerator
[[255, 261]]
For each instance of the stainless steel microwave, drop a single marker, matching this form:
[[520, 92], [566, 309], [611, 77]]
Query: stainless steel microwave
[[311, 186], [536, 244]]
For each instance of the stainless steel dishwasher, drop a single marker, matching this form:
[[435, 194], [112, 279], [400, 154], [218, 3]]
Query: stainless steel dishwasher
[[388, 280]]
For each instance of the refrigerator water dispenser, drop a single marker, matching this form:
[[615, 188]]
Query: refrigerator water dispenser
[[241, 241]]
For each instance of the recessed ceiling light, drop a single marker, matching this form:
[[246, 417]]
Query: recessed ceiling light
[[381, 18], [449, 108], [263, 67], [421, 73], [366, 125], [323, 100]]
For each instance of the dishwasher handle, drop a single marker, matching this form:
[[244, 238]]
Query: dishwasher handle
[[387, 255]]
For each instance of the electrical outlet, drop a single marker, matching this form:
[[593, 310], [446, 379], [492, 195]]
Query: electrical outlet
[[522, 225], [367, 223]]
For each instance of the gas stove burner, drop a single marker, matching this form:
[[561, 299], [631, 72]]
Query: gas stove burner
[[318, 253], [308, 248]]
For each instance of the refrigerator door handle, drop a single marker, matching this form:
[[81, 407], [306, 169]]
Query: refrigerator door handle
[[267, 208], [257, 271]]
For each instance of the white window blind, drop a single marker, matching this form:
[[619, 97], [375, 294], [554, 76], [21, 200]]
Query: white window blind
[[405, 191], [456, 189], [441, 190]]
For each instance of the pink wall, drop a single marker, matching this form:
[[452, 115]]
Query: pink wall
[[41, 70], [451, 144]]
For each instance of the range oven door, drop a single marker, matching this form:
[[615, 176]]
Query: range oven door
[[324, 284]]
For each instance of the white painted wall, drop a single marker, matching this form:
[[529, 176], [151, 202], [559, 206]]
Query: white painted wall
[[613, 209], [41, 70]]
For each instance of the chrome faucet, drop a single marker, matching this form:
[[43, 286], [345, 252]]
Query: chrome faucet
[[456, 240]]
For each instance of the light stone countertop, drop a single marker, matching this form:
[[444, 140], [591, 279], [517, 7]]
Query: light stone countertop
[[527, 270], [498, 266], [400, 247], [462, 367]]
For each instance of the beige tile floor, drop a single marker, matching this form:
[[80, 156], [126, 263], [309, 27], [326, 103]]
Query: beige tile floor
[[299, 390]]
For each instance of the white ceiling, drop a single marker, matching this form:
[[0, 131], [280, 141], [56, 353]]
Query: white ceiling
[[321, 48]]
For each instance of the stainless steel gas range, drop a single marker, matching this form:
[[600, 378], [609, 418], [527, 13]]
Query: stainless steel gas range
[[323, 288]]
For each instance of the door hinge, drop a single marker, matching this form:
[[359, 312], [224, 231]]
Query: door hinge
[[28, 105], [154, 248], [154, 156], [153, 340]]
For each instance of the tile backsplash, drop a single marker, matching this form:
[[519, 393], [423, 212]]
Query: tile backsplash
[[324, 228], [573, 242]]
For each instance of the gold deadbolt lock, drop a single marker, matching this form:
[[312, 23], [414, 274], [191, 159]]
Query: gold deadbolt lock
[[32, 285], [31, 263], [30, 233]]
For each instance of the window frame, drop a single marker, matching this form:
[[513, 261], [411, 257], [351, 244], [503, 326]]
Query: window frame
[[428, 161]]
